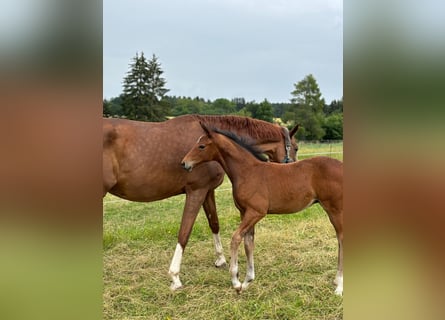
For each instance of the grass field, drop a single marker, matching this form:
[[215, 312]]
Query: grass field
[[295, 261]]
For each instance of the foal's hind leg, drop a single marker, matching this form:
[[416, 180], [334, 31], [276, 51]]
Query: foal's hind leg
[[336, 217], [212, 217]]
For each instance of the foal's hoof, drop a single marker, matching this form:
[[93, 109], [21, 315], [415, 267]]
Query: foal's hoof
[[175, 286], [238, 288], [246, 284]]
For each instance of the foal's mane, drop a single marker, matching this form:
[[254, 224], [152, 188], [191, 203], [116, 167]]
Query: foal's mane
[[245, 143], [257, 129]]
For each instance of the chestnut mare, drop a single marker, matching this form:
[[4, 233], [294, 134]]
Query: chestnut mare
[[262, 187], [141, 162]]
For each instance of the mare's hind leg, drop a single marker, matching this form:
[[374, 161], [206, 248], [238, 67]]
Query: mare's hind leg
[[193, 201], [212, 217], [336, 217]]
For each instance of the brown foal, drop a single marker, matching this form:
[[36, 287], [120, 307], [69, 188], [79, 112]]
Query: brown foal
[[260, 188]]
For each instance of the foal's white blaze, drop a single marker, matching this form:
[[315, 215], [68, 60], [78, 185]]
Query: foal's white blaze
[[199, 139], [220, 259], [175, 267]]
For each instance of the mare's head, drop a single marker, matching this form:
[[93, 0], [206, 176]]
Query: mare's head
[[290, 146], [274, 149]]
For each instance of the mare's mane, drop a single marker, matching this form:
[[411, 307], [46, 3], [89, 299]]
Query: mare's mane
[[257, 129], [245, 143]]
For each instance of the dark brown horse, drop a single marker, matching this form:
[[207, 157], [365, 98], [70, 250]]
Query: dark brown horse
[[141, 162], [263, 187]]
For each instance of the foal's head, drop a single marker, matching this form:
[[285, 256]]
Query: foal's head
[[203, 150], [206, 149]]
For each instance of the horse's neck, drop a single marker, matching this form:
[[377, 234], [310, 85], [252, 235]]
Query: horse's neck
[[258, 136], [236, 161]]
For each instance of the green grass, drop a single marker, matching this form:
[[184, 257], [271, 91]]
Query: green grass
[[295, 262]]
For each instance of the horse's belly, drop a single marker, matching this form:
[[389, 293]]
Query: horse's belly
[[146, 191], [293, 205], [144, 196]]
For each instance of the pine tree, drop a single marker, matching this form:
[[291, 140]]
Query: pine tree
[[144, 90], [307, 108]]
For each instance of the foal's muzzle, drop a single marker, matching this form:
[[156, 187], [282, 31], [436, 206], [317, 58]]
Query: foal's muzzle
[[186, 166]]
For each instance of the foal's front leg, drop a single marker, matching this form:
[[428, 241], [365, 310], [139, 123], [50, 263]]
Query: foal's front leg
[[246, 231], [249, 245], [234, 245]]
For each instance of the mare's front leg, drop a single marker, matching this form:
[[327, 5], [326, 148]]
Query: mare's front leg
[[193, 202], [246, 228], [212, 217]]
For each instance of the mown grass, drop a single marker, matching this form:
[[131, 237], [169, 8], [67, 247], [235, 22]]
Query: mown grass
[[295, 260]]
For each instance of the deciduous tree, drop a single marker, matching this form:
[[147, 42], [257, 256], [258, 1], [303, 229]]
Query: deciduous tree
[[307, 108]]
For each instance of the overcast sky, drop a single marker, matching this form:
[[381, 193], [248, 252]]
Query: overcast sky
[[254, 49]]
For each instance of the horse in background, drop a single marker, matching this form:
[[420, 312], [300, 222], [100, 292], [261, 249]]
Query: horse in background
[[141, 162], [260, 188]]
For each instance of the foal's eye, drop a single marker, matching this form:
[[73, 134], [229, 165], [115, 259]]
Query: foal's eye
[[201, 147]]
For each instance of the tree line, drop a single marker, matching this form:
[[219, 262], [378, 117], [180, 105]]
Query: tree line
[[144, 97]]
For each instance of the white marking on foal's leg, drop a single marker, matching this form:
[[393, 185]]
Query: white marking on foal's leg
[[175, 267], [234, 245], [234, 269], [220, 259], [339, 282], [250, 273], [234, 272]]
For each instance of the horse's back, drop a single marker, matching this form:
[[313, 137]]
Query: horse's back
[[325, 165], [327, 179]]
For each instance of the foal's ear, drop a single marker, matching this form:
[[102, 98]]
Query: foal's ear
[[294, 130], [206, 130]]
